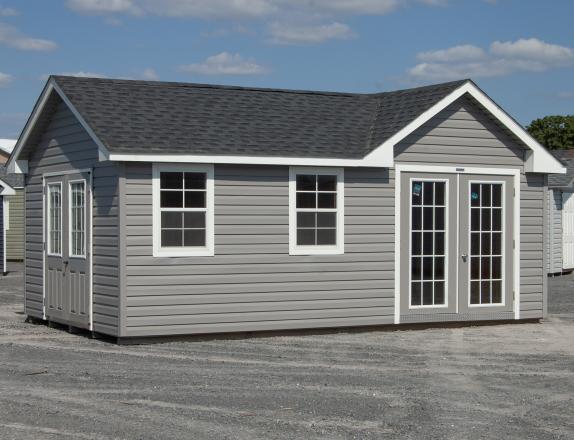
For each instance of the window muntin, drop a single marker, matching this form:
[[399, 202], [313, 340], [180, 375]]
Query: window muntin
[[486, 238], [183, 210], [78, 218], [316, 211], [428, 259], [54, 219]]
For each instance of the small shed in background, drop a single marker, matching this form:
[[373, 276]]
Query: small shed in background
[[5, 191], [14, 216], [6, 147], [560, 243]]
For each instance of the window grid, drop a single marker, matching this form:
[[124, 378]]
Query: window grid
[[191, 228], [486, 238], [77, 219], [428, 243], [317, 221], [55, 218]]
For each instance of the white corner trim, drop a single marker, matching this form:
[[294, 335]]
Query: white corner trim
[[538, 161], [205, 251], [339, 248]]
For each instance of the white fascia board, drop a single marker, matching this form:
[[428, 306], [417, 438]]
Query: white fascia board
[[247, 160], [50, 87], [538, 161], [7, 190]]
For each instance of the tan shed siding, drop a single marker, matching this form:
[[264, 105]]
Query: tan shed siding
[[463, 134], [65, 146], [15, 234], [252, 283]]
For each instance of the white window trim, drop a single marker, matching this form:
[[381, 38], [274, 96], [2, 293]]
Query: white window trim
[[205, 251], [446, 245], [6, 214], [339, 248], [70, 253], [503, 245], [49, 221]]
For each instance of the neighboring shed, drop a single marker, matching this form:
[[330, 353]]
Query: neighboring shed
[[5, 191], [15, 217], [560, 244], [6, 147], [171, 208]]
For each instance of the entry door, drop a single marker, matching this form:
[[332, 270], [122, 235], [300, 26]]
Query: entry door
[[67, 245], [456, 245]]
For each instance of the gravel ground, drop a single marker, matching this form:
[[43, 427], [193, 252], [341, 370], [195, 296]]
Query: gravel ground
[[505, 381]]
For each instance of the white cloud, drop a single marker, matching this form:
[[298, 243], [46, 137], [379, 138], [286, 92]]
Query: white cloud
[[225, 63], [566, 95], [8, 12], [103, 6], [308, 34], [5, 79], [502, 58], [12, 37], [150, 74]]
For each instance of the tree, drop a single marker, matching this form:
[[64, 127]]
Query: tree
[[554, 132]]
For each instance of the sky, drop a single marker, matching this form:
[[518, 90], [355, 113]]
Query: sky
[[520, 52]]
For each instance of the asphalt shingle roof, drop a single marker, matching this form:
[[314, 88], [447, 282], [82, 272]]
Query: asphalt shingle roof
[[567, 158], [14, 180], [149, 117]]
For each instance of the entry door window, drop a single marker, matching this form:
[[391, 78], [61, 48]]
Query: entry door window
[[428, 243], [78, 218], [55, 219], [486, 238]]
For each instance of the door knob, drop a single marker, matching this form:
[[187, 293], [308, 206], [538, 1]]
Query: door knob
[[464, 257]]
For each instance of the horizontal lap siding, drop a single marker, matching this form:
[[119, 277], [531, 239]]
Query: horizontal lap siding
[[554, 235], [464, 135], [252, 283], [15, 233], [66, 146]]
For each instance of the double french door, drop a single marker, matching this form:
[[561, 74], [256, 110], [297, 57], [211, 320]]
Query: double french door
[[456, 244], [67, 248]]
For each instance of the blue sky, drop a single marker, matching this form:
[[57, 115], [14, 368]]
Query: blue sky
[[521, 52]]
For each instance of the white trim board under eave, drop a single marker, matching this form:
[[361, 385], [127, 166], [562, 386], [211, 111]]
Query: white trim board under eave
[[538, 160]]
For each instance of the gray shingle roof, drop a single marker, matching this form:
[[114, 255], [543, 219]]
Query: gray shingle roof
[[567, 159], [14, 180], [179, 118]]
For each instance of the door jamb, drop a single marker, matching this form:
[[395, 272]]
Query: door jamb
[[89, 227], [515, 172]]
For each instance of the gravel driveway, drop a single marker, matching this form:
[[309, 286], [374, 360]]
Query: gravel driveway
[[496, 382]]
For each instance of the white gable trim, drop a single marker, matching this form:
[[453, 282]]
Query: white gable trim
[[14, 165], [7, 190], [539, 160]]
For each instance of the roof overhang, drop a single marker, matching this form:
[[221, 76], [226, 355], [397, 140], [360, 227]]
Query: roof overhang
[[538, 159], [7, 190]]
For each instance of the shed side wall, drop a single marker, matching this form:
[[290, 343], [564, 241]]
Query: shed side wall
[[554, 242], [15, 233], [252, 283], [66, 146]]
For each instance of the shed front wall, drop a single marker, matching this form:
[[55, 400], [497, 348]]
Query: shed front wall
[[66, 146], [15, 232]]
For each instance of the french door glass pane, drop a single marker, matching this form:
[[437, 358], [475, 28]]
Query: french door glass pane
[[428, 237], [78, 220], [55, 218], [486, 231]]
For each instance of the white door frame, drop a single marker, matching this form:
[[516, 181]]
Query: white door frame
[[515, 172], [89, 225]]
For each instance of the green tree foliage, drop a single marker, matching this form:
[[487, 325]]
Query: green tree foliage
[[554, 132]]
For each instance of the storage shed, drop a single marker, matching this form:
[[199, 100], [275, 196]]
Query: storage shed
[[172, 208], [15, 219], [5, 191], [560, 244]]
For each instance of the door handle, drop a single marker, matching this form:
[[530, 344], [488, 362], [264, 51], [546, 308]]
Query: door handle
[[464, 257]]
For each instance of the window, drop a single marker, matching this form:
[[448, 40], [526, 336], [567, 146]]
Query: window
[[486, 244], [55, 219], [428, 243], [78, 218], [316, 214], [183, 210]]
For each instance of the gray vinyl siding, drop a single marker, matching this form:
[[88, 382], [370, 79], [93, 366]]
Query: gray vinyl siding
[[15, 233], [554, 233], [2, 247], [65, 146], [252, 283], [462, 135]]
